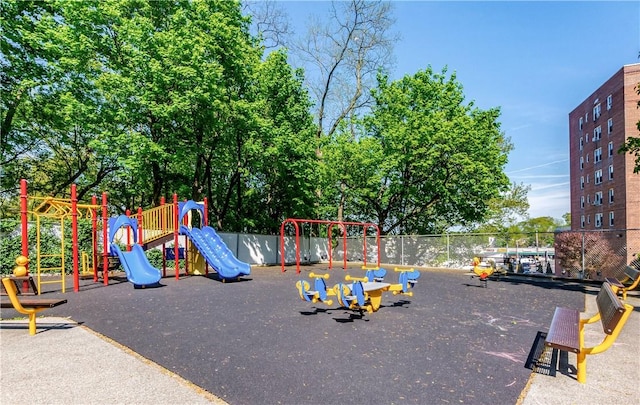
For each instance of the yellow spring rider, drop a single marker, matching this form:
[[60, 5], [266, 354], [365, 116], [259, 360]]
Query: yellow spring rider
[[482, 271]]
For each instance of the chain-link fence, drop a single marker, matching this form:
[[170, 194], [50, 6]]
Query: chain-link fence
[[573, 254]]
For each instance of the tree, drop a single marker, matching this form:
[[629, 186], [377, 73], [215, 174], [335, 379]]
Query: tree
[[505, 209], [441, 160], [49, 103], [540, 230], [632, 144], [280, 149], [268, 22], [343, 58], [590, 252]]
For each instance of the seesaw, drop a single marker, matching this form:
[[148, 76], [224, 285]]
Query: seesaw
[[364, 293], [319, 294]]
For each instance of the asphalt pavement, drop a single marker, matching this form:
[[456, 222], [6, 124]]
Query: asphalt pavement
[[197, 341]]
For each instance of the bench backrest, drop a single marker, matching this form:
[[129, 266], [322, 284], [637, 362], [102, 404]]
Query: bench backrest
[[610, 308], [12, 292], [632, 273]]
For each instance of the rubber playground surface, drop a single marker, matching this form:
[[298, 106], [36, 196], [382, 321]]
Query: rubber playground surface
[[255, 341]]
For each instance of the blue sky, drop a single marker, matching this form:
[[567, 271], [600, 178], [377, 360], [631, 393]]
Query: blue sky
[[537, 61]]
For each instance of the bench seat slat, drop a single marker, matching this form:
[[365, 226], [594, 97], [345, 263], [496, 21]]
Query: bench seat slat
[[564, 330], [35, 303]]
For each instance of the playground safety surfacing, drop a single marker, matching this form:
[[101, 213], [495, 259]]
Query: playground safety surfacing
[[255, 342]]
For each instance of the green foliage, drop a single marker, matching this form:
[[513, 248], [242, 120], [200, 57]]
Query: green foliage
[[439, 161], [632, 144], [144, 99], [50, 244], [10, 244]]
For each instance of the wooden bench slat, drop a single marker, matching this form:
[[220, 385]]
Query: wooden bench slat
[[35, 303], [564, 330]]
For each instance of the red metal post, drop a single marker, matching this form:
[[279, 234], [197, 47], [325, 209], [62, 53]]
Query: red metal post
[[24, 228], [24, 221], [344, 245], [176, 245], [140, 233], [74, 238], [105, 241], [128, 230], [329, 229], [94, 239], [206, 212], [282, 257]]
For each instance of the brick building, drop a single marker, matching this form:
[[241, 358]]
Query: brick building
[[605, 193]]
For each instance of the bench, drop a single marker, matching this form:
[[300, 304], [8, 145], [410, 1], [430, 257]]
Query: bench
[[566, 332], [27, 306], [630, 275]]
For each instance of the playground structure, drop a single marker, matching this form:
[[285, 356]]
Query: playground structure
[[330, 224], [362, 293], [143, 230]]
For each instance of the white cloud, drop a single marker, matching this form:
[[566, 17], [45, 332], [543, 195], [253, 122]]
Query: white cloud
[[552, 201]]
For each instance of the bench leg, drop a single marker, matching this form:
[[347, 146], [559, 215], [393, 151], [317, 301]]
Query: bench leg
[[582, 368], [32, 323]]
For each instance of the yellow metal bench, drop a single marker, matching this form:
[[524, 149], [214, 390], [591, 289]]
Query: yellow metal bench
[[27, 306], [630, 275], [567, 329]]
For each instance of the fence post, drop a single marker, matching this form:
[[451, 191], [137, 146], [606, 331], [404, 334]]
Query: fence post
[[448, 251], [583, 255]]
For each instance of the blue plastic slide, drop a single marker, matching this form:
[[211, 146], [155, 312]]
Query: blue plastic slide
[[216, 253], [223, 252], [137, 267]]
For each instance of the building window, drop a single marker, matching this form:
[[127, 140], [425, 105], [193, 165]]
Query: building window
[[598, 198], [597, 155], [582, 182], [582, 221], [610, 149], [581, 162], [609, 126], [596, 112], [610, 172], [586, 117], [581, 123], [588, 198], [599, 220], [597, 133], [597, 177], [610, 196], [588, 158], [587, 179], [611, 219], [609, 101], [581, 143], [589, 219], [582, 202]]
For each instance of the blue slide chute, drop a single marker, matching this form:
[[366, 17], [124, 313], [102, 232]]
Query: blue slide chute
[[216, 253], [135, 263], [137, 267]]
